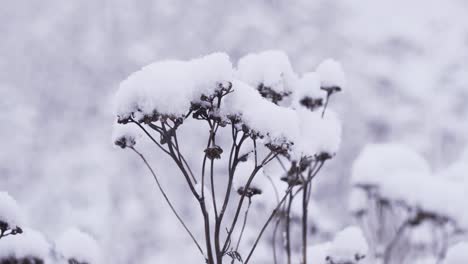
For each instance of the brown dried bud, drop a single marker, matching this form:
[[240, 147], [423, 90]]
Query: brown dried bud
[[214, 152]]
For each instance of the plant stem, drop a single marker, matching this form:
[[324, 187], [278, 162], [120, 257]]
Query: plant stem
[[288, 192], [169, 202]]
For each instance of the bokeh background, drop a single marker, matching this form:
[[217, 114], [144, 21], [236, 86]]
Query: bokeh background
[[61, 63]]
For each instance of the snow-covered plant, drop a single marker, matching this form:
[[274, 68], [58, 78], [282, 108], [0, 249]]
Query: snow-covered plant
[[252, 115], [10, 216], [407, 211]]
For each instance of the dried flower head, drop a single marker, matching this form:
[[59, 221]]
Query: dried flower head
[[214, 152], [249, 192]]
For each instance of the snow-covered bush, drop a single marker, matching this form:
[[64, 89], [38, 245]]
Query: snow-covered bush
[[407, 211], [253, 115]]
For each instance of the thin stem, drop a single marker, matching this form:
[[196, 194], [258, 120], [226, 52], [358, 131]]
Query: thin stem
[[244, 223], [213, 195], [275, 229], [326, 104], [281, 164], [393, 242], [288, 228], [288, 192], [174, 211], [151, 137], [305, 213], [268, 158]]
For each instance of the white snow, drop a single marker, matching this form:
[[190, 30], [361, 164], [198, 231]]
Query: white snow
[[308, 86], [347, 244], [75, 244], [457, 254], [331, 74], [10, 212], [169, 87], [317, 134], [271, 68], [28, 244], [357, 203], [319, 252], [310, 133], [258, 113]]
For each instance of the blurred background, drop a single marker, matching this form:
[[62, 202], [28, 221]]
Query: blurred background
[[61, 63]]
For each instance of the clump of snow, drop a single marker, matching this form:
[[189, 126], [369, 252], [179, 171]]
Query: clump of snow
[[30, 244], [270, 68], [125, 136], [257, 113], [457, 254], [77, 245], [10, 212], [331, 74], [308, 88], [349, 245], [168, 87], [310, 133], [317, 134]]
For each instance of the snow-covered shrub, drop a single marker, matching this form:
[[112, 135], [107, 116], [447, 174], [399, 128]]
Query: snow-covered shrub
[[408, 211], [10, 216], [253, 115]]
